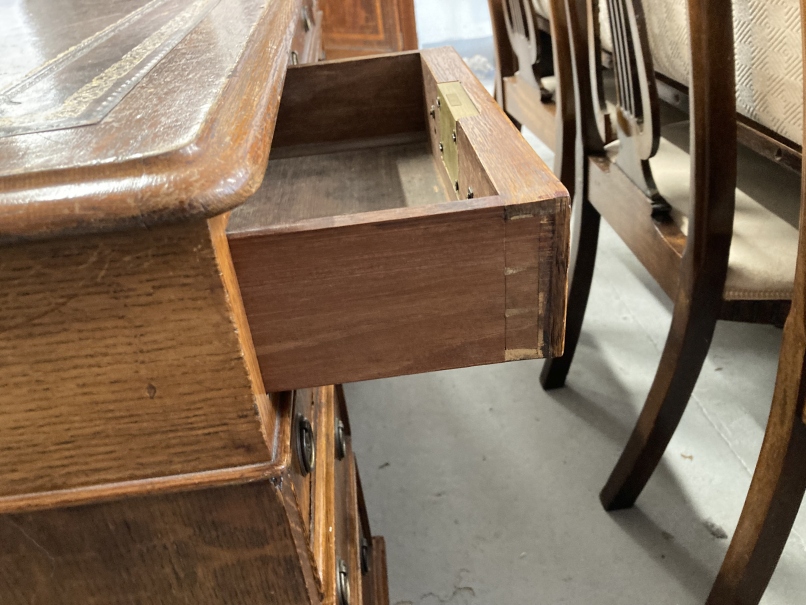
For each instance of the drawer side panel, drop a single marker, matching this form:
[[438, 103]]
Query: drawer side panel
[[372, 300]]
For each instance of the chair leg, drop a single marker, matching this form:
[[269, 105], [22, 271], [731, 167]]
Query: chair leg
[[686, 347], [504, 56], [586, 237], [773, 501]]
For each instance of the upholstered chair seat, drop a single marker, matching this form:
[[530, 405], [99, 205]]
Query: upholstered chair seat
[[763, 251]]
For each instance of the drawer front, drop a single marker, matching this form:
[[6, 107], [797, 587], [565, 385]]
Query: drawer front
[[404, 225], [341, 566], [323, 519], [305, 450], [367, 554], [376, 586], [349, 589]]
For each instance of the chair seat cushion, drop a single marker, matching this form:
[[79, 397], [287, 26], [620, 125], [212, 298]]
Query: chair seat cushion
[[764, 247]]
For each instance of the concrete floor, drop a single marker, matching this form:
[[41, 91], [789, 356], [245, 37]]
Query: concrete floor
[[486, 487]]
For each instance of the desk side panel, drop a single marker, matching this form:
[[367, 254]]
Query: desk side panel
[[227, 545], [121, 359]]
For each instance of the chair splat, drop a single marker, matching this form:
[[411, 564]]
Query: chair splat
[[637, 112]]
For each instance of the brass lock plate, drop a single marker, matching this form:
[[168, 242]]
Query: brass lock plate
[[454, 104]]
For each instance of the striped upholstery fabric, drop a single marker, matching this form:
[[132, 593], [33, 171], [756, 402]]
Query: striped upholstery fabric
[[769, 78]]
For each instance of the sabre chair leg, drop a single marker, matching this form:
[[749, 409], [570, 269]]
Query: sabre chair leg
[[775, 494], [686, 347]]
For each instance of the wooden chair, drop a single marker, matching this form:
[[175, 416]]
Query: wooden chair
[[718, 252], [779, 481]]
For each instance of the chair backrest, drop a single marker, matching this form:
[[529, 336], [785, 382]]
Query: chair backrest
[[796, 322], [523, 37], [637, 108], [712, 111], [769, 72]]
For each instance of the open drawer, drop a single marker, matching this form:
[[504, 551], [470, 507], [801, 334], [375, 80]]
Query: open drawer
[[403, 226]]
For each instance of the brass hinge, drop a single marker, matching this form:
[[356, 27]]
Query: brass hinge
[[453, 104]]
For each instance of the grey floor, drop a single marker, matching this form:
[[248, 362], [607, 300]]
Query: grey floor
[[486, 487]]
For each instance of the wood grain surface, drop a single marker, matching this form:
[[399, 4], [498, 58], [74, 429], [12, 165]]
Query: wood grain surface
[[779, 480], [494, 158], [514, 168], [353, 531], [324, 521], [305, 563], [304, 483], [385, 298], [524, 104], [238, 544], [122, 360], [659, 245], [378, 574], [367, 27], [343, 183], [339, 101], [341, 528], [190, 139], [338, 290]]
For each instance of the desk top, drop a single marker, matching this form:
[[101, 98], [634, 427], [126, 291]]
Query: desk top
[[130, 113]]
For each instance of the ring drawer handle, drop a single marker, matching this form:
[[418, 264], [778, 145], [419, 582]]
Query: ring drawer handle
[[364, 556], [306, 445], [341, 443], [342, 583]]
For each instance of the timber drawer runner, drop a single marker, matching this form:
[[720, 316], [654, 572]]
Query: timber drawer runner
[[403, 226]]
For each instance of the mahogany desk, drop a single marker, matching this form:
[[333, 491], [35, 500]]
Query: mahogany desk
[[154, 287]]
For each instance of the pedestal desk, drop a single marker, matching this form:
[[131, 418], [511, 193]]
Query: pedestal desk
[[159, 276]]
